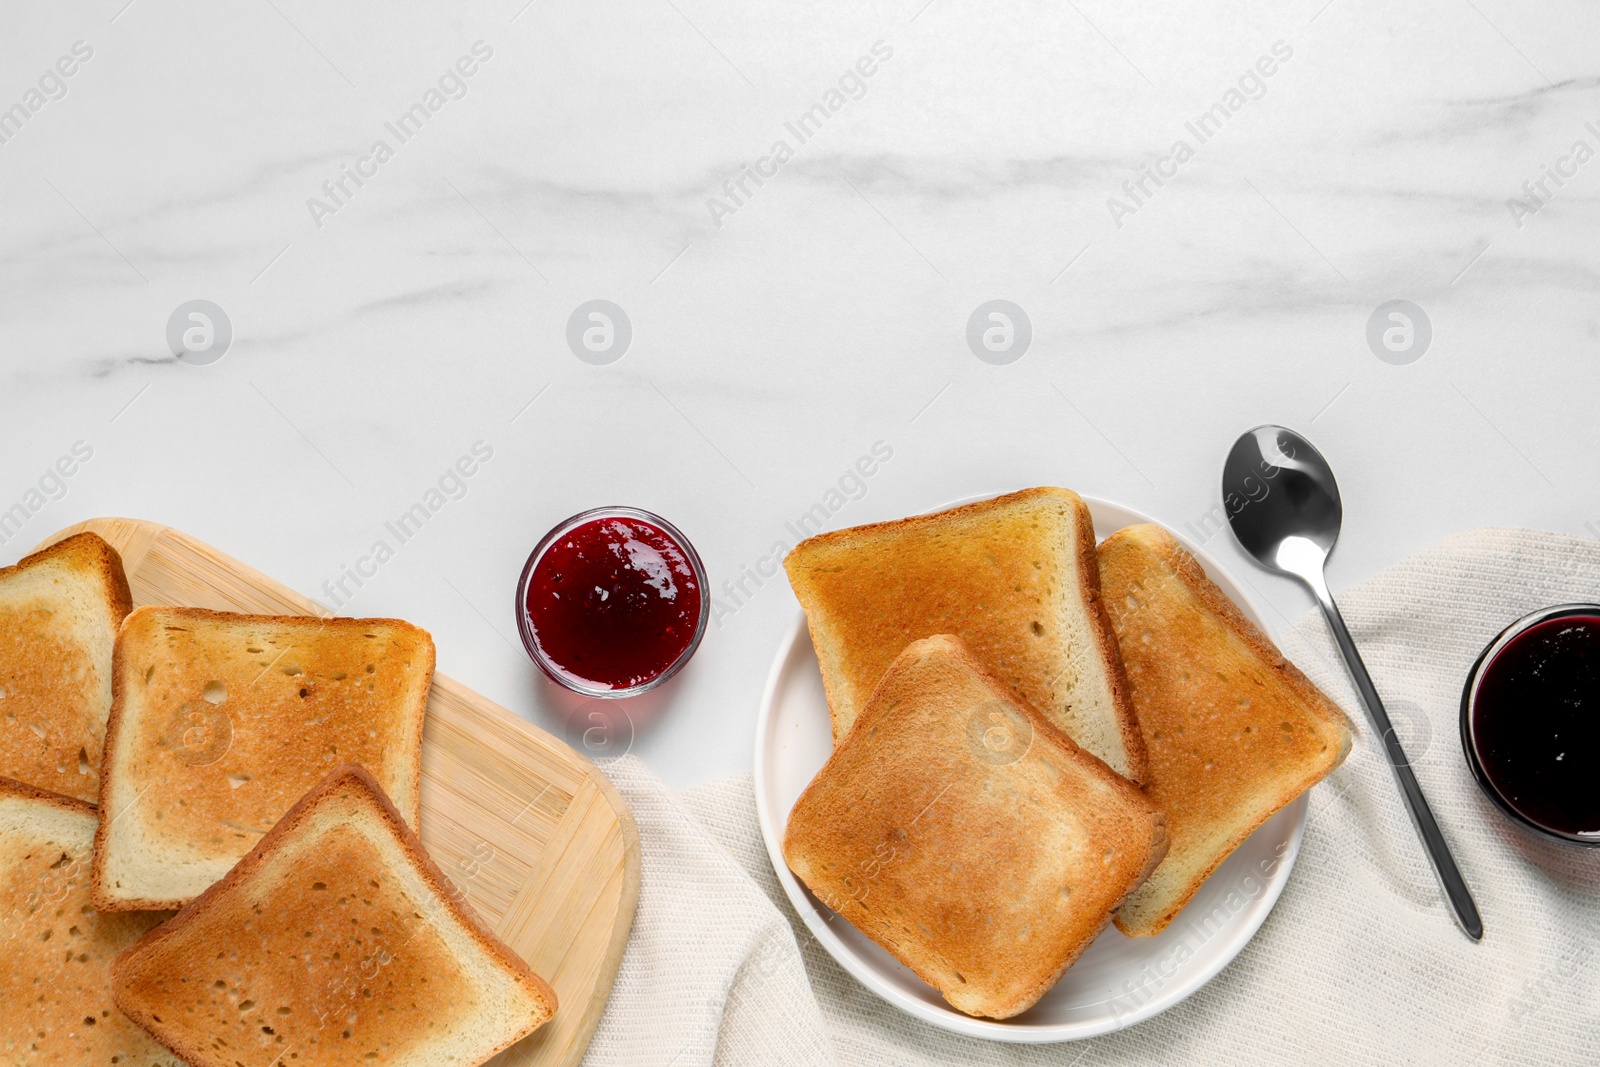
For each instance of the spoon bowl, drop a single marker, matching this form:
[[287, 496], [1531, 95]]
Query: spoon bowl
[[1276, 485]]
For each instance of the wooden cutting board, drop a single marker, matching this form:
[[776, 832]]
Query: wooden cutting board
[[536, 836]]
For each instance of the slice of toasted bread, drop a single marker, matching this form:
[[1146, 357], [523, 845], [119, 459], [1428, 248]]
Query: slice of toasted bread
[[963, 832], [1234, 730], [221, 722], [59, 613], [1014, 577], [55, 984], [335, 941]]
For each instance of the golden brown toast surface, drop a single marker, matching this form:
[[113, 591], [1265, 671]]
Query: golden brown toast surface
[[1233, 730], [220, 723], [59, 613], [1014, 577], [55, 982], [960, 830], [335, 941]]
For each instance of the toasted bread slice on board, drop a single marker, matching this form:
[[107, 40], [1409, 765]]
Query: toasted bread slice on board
[[59, 613], [55, 986], [1234, 731], [221, 722], [335, 941], [1014, 577], [960, 830]]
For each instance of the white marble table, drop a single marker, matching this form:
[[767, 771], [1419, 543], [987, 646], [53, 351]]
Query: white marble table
[[782, 329]]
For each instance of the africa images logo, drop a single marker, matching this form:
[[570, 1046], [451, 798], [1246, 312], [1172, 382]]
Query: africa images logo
[[199, 332], [599, 332], [200, 732], [52, 86], [1399, 332], [852, 85], [999, 332], [451, 85], [1251, 85]]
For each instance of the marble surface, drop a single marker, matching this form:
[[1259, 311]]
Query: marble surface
[[783, 330]]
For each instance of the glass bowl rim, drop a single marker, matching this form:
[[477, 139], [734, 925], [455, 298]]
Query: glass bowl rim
[[1469, 697], [525, 624]]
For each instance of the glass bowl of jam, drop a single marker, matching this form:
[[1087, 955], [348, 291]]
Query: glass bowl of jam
[[612, 602], [1530, 722]]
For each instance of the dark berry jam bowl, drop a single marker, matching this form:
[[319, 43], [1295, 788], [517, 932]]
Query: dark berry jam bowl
[[612, 602], [1530, 722]]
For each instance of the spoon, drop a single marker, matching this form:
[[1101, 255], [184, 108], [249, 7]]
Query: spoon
[[1283, 505]]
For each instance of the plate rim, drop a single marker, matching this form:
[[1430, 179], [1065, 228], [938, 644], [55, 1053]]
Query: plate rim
[[942, 1015]]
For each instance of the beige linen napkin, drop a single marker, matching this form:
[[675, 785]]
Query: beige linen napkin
[[1359, 962]]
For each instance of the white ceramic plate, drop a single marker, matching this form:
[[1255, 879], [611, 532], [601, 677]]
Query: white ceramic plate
[[1119, 980]]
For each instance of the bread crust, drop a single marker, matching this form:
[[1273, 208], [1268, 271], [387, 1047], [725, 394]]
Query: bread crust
[[827, 818], [1189, 572], [82, 987], [24, 791], [82, 565], [909, 524], [95, 554], [1110, 652], [1194, 576], [349, 774], [1087, 572], [103, 901]]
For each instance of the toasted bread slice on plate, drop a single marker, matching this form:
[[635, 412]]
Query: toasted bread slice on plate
[[1014, 577], [335, 941], [964, 833], [55, 985], [221, 722], [1234, 731], [59, 613]]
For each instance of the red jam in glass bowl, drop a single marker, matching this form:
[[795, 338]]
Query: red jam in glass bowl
[[1530, 722], [612, 602]]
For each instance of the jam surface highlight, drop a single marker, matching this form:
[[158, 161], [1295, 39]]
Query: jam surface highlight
[[613, 603]]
